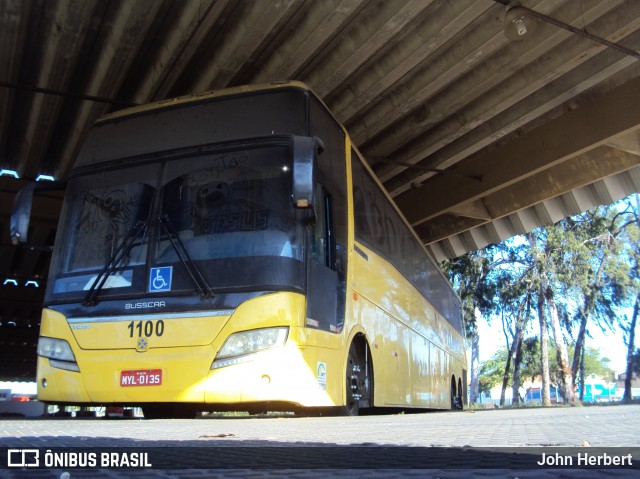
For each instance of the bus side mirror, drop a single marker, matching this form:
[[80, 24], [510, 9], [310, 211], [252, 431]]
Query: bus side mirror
[[21, 214], [305, 154], [21, 209]]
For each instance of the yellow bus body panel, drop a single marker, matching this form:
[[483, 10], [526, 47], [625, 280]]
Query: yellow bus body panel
[[286, 374], [415, 351], [301, 372]]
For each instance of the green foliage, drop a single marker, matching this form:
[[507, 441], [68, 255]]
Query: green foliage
[[589, 265], [491, 370], [470, 276]]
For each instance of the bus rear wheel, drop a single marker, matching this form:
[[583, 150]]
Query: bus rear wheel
[[456, 396]]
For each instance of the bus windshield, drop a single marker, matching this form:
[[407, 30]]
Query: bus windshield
[[230, 211], [99, 213], [234, 215]]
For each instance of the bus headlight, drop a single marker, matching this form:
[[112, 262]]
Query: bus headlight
[[241, 347], [55, 349]]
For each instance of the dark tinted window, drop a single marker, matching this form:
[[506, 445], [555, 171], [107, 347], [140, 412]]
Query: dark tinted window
[[203, 122], [379, 226], [331, 163]]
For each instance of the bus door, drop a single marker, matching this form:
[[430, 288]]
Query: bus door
[[326, 271]]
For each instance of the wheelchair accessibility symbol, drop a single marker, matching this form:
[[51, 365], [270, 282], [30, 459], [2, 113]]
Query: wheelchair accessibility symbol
[[160, 279]]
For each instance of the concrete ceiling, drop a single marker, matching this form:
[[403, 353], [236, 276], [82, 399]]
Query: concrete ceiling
[[477, 137]]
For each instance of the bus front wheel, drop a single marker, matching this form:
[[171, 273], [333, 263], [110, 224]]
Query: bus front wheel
[[358, 382], [168, 411]]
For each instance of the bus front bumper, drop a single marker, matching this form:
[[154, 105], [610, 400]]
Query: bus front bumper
[[289, 374]]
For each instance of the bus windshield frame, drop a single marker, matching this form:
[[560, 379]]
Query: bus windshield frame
[[229, 205]]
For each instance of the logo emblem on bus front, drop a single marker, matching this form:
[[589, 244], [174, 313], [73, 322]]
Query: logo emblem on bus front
[[142, 345]]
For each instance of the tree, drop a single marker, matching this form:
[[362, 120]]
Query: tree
[[541, 285], [559, 271], [633, 360], [635, 363], [601, 272], [469, 275], [514, 307], [573, 275]]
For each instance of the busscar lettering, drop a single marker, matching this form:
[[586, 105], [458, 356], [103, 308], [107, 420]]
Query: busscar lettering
[[146, 305]]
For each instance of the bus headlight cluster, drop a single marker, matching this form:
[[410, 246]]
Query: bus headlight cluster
[[240, 347], [59, 353]]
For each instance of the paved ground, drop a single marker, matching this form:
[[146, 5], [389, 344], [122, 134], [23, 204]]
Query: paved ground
[[440, 444]]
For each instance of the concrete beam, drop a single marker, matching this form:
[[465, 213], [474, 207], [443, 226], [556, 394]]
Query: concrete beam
[[497, 59], [437, 25], [471, 209], [182, 32], [569, 175], [62, 45], [548, 212], [515, 101], [185, 48], [444, 226], [376, 26], [565, 137], [122, 38], [317, 26], [238, 45], [14, 23]]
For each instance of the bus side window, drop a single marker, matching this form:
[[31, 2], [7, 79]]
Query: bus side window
[[323, 241]]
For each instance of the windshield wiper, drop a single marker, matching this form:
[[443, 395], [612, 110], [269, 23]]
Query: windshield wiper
[[121, 251], [183, 255]]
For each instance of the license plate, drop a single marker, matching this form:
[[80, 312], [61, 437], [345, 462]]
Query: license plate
[[141, 377]]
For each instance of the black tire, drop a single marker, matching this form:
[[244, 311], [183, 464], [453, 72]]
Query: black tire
[[171, 411], [456, 400], [358, 385], [352, 407]]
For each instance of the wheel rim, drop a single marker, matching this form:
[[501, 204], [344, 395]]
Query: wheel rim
[[356, 382]]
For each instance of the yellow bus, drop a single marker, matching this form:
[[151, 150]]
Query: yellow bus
[[233, 251]]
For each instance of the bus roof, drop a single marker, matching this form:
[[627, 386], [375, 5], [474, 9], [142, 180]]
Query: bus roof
[[198, 97]]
